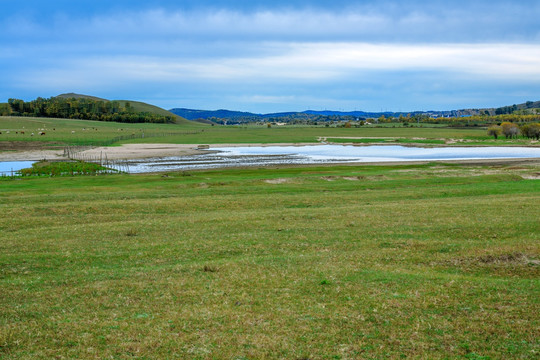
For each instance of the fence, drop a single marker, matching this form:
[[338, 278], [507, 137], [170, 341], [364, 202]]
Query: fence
[[8, 173], [113, 166], [74, 152]]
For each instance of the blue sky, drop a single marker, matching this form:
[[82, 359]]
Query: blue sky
[[266, 56]]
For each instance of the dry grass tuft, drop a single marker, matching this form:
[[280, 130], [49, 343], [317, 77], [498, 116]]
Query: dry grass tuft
[[131, 232], [209, 268]]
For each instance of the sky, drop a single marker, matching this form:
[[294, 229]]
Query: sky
[[270, 56]]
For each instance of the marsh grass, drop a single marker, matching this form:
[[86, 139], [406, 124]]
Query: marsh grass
[[412, 261], [65, 168]]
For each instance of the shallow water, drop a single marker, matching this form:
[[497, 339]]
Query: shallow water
[[255, 156], [8, 168]]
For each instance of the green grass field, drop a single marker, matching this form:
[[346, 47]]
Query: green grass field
[[61, 132], [355, 262]]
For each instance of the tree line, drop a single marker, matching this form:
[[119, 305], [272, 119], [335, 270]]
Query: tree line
[[81, 108], [497, 119]]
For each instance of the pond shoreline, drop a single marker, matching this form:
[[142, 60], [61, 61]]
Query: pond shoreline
[[149, 151]]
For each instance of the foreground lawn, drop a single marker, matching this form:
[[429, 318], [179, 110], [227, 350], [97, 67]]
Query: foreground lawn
[[425, 261]]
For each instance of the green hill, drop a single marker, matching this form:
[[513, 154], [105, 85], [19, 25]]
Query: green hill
[[136, 105], [80, 96]]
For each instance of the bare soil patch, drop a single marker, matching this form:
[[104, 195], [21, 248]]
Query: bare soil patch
[[533, 176], [277, 181], [142, 151], [511, 263], [30, 150]]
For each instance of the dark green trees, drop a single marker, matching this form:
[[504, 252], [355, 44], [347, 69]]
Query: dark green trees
[[81, 108]]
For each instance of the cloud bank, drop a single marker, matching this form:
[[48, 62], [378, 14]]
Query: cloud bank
[[264, 57]]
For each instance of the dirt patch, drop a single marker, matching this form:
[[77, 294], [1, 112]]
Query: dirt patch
[[277, 181], [505, 259], [516, 258], [533, 176], [329, 178], [141, 151], [31, 155]]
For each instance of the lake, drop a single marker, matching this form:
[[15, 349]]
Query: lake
[[258, 156], [8, 168], [255, 156]]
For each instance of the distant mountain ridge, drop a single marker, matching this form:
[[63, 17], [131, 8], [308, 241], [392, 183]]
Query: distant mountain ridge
[[193, 114]]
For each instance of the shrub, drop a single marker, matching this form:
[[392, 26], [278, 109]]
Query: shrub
[[494, 131], [509, 130], [531, 131]]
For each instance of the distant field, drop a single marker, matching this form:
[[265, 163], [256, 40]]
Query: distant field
[[64, 131], [355, 262], [286, 134], [61, 131]]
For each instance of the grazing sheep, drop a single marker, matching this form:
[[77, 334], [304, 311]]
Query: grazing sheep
[[22, 132], [73, 131], [41, 133], [32, 134]]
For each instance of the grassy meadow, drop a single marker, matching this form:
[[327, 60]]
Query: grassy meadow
[[433, 261], [60, 132]]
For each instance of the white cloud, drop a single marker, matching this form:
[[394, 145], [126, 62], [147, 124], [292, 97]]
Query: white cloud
[[368, 23], [283, 55], [320, 61], [303, 63]]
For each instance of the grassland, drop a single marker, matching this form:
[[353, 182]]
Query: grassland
[[357, 262], [60, 132], [431, 261]]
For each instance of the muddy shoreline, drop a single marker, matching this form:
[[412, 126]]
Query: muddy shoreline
[[37, 152], [123, 152]]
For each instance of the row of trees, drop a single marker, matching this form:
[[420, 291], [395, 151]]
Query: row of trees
[[81, 108], [477, 120], [511, 130], [489, 120]]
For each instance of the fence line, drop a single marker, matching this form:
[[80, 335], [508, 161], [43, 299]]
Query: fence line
[[113, 166], [74, 152], [7, 173]]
